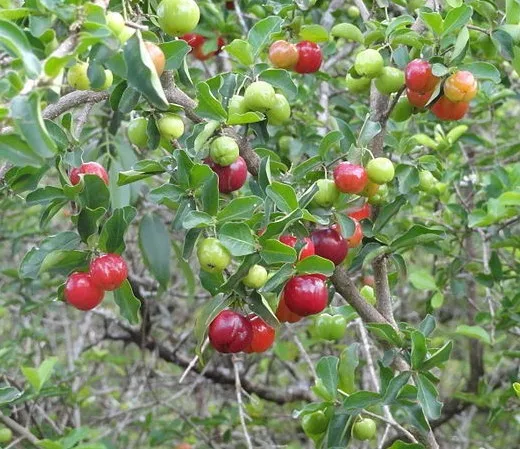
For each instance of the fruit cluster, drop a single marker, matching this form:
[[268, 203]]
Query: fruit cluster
[[170, 127], [304, 57], [369, 65], [85, 291], [451, 101]]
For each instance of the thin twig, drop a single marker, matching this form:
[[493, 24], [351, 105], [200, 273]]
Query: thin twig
[[241, 413]]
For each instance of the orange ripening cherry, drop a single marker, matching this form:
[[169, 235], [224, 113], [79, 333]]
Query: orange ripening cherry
[[157, 55], [283, 54], [355, 239], [419, 76], [461, 86], [418, 99], [263, 335], [448, 110], [283, 313]]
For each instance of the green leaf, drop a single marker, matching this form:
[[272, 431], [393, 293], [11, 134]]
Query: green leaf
[[241, 50], [347, 31], [260, 34], [128, 304], [387, 212], [111, 239], [279, 278], [419, 349], [327, 372], [237, 238], [422, 280], [9, 394], [142, 169], [16, 41], [437, 300], [314, 33], [88, 221], [197, 219], [416, 235], [361, 400], [175, 52], [483, 71], [94, 194], [274, 252], [282, 80], [439, 357], [385, 332], [260, 306], [275, 228], [433, 20], [348, 362], [395, 386], [461, 45], [427, 395], [208, 106], [457, 18], [283, 196], [64, 262], [475, 332], [315, 264], [154, 242], [400, 445], [244, 119], [239, 209], [368, 131], [16, 151], [427, 325], [331, 139], [37, 377], [31, 263], [141, 73], [26, 114]]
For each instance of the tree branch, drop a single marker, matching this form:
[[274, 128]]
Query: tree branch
[[20, 430], [382, 288]]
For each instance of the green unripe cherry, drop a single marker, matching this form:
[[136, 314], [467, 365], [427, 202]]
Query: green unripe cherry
[[402, 110], [224, 151], [6, 435], [171, 126], [258, 11], [236, 105], [369, 63], [330, 327], [77, 76], [357, 85], [260, 96], [427, 181], [315, 423], [109, 79], [367, 292], [327, 193], [115, 22], [137, 132], [280, 113], [364, 429], [178, 17], [390, 80], [126, 34], [284, 143], [353, 12], [213, 256], [256, 277], [380, 170]]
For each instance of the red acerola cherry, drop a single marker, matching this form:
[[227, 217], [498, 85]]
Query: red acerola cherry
[[449, 110], [362, 213], [350, 178], [309, 57], [232, 177], [355, 239], [418, 99], [306, 251], [284, 315], [306, 295], [108, 272], [330, 244], [230, 5], [368, 280], [81, 292], [263, 335], [419, 76], [88, 168], [198, 52], [230, 332], [194, 40]]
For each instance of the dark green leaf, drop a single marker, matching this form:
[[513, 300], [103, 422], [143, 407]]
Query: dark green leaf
[[427, 395], [237, 238], [154, 242], [128, 304], [111, 239]]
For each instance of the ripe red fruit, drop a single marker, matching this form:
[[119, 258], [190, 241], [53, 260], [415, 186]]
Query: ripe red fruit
[[230, 5], [418, 99], [355, 239], [309, 57], [88, 168], [363, 212], [198, 52], [306, 295], [283, 54], [232, 177], [194, 40], [81, 292], [108, 272], [350, 178], [419, 76], [263, 335], [230, 332], [369, 280], [449, 110], [284, 315], [461, 86], [330, 244], [306, 251]]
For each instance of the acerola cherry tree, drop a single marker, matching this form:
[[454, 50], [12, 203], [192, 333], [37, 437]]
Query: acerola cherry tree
[[282, 224]]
